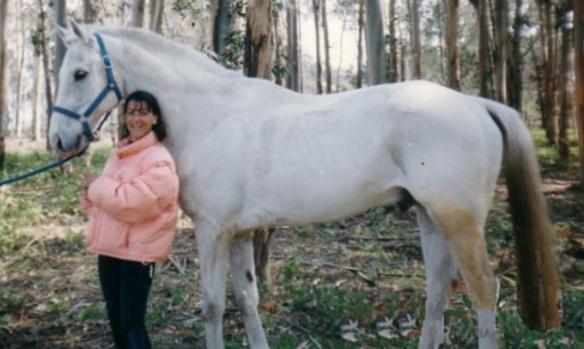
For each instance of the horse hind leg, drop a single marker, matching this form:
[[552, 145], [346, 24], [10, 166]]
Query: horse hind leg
[[440, 271], [466, 242], [245, 288]]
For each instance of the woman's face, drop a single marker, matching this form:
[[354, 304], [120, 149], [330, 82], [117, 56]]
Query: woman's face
[[139, 119]]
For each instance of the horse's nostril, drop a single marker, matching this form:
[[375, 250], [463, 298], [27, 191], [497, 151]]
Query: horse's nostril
[[59, 145]]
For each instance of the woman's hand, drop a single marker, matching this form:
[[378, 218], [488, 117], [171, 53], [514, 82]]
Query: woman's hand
[[88, 178]]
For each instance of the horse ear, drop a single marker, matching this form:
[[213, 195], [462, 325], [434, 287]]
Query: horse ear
[[80, 32], [66, 35]]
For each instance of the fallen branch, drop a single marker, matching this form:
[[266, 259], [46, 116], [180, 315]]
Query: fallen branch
[[353, 270], [179, 266], [301, 329], [376, 238]]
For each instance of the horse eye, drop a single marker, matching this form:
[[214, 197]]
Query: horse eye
[[79, 75]]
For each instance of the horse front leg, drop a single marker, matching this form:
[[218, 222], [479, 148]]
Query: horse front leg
[[213, 248], [246, 291]]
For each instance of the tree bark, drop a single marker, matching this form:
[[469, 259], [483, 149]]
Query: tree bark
[[402, 57], [3, 90], [259, 24], [416, 43], [515, 61], [137, 13], [19, 73], [338, 73], [375, 43], [579, 83], [292, 79], [359, 82], [46, 67], [548, 47], [484, 73], [88, 12], [60, 19], [259, 39], [221, 26], [501, 21], [565, 69], [315, 9], [156, 12], [327, 51], [452, 66], [36, 120], [392, 61], [277, 48]]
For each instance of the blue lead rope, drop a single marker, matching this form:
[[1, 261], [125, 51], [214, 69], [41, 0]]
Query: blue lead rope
[[40, 170], [53, 164]]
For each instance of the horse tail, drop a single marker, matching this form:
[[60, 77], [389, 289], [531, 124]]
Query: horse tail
[[538, 285]]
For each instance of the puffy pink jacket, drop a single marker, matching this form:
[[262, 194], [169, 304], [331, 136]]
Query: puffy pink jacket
[[132, 206]]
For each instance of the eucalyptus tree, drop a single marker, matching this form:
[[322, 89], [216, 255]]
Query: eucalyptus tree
[[375, 42], [579, 83], [3, 57]]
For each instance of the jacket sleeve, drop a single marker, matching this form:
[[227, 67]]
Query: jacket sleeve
[[138, 199]]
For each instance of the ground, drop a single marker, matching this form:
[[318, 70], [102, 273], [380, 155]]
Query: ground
[[356, 283]]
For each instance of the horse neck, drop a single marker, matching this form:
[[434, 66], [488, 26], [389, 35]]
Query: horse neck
[[188, 92]]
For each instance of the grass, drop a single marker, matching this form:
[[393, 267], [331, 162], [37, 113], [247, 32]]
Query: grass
[[335, 285]]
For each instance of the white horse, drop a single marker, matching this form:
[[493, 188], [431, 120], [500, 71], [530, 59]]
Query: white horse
[[250, 153]]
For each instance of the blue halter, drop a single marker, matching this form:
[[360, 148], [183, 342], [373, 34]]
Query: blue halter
[[111, 86]]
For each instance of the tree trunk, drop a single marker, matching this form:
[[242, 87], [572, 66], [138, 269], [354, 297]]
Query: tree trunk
[[36, 121], [292, 79], [46, 68], [88, 12], [3, 90], [416, 43], [258, 55], [515, 65], [221, 26], [277, 48], [375, 43], [565, 70], [441, 20], [19, 73], [402, 57], [548, 47], [327, 51], [392, 61], [579, 83], [137, 13], [501, 22], [338, 78], [484, 73], [156, 12], [315, 9], [452, 44], [259, 41], [60, 19], [360, 23]]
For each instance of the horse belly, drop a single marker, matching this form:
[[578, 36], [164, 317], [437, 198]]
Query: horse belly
[[322, 187]]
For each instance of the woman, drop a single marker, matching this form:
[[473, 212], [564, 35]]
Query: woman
[[133, 211]]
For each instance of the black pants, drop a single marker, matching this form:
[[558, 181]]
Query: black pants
[[125, 286]]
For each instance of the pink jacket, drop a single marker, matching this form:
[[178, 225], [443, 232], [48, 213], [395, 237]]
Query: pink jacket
[[132, 206]]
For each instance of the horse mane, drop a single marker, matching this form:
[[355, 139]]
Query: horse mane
[[157, 43]]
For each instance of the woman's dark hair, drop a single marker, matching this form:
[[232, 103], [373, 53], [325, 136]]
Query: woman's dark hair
[[152, 103]]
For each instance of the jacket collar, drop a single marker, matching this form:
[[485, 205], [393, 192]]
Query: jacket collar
[[126, 147]]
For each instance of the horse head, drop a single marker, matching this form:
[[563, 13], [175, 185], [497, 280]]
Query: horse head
[[87, 91]]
